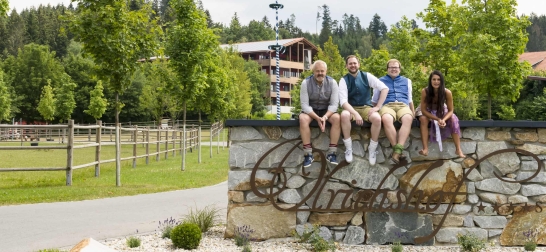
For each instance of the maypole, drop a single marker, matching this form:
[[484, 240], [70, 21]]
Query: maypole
[[277, 48]]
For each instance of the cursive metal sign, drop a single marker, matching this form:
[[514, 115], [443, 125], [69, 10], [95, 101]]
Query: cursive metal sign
[[380, 195]]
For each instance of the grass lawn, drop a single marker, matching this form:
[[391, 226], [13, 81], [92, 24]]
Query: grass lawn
[[49, 186]]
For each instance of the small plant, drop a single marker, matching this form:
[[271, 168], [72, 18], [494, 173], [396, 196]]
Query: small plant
[[133, 242], [470, 243], [186, 236], [242, 235], [530, 240], [312, 237], [205, 218], [397, 245], [246, 248], [167, 226], [49, 250]]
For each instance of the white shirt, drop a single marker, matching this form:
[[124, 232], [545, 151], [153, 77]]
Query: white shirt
[[376, 92], [373, 81]]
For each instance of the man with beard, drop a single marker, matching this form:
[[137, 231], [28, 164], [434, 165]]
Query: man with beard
[[355, 93], [319, 101]]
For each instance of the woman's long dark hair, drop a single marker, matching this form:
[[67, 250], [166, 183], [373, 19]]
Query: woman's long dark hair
[[441, 94]]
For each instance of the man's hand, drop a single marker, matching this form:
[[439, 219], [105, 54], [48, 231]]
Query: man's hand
[[322, 123], [372, 110], [358, 119]]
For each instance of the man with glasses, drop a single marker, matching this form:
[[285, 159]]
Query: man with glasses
[[355, 89], [319, 101], [398, 106]]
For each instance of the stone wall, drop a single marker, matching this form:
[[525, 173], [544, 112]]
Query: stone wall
[[489, 207]]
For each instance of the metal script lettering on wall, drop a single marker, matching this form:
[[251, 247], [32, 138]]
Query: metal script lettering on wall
[[379, 195]]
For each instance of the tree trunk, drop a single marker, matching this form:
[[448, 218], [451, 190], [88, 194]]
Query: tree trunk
[[489, 105], [184, 139], [118, 157]]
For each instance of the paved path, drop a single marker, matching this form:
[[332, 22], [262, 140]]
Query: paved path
[[54, 225]]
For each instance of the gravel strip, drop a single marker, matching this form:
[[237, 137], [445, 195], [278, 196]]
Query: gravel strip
[[214, 241]]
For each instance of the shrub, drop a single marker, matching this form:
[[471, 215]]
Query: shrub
[[242, 235], [186, 236], [167, 226], [133, 242], [470, 243], [204, 218]]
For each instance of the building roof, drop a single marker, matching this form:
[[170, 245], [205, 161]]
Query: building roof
[[536, 59], [262, 46]]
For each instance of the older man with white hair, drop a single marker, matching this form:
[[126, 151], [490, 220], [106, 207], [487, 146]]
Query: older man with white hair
[[319, 101]]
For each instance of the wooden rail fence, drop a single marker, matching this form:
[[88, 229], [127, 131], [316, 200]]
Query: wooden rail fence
[[172, 138]]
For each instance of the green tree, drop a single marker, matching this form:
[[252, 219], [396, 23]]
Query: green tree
[[495, 38], [191, 46], [46, 105], [97, 102], [4, 7], [64, 102], [327, 24], [82, 70], [378, 31], [376, 64], [28, 73], [155, 97], [5, 100], [260, 85], [334, 61], [117, 38]]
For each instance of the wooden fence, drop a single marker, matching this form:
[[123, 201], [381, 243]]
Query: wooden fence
[[96, 136]]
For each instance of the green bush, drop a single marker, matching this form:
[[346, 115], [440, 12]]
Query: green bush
[[470, 243], [246, 248], [530, 246], [186, 236], [133, 242], [204, 218]]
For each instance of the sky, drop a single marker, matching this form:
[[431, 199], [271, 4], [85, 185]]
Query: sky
[[305, 11]]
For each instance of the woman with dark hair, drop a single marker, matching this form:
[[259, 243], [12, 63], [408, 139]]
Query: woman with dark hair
[[437, 114]]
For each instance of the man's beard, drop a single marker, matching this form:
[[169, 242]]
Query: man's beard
[[353, 72]]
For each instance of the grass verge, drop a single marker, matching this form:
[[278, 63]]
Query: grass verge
[[49, 186]]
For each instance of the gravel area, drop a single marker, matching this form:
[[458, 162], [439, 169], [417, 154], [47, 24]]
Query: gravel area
[[214, 241]]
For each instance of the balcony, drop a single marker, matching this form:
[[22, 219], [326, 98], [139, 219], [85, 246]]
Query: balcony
[[291, 80], [284, 94], [282, 63]]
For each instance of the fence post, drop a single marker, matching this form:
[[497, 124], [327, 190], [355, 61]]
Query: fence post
[[135, 136], [181, 139], [88, 135], [166, 143], [212, 126], [148, 145], [199, 143], [218, 138], [110, 135], [98, 133], [174, 141], [158, 143], [69, 153]]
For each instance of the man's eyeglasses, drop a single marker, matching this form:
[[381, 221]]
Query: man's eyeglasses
[[393, 67]]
